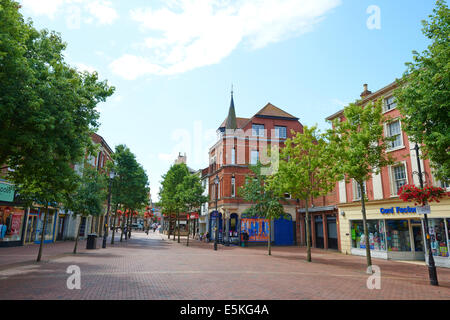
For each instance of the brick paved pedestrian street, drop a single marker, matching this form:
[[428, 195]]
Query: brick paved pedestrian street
[[152, 267]]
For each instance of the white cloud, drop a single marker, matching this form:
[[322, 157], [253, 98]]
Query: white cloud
[[74, 11], [42, 7], [103, 11], [83, 67], [130, 67], [196, 33]]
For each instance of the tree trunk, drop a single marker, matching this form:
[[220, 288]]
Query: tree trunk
[[174, 227], [269, 244], [122, 227], [188, 226], [178, 219], [77, 237], [114, 226], [366, 231], [169, 224], [308, 232], [41, 245], [130, 223]]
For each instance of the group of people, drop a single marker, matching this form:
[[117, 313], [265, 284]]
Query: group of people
[[154, 226], [245, 237]]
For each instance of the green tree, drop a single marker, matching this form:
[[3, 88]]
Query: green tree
[[190, 195], [307, 169], [169, 198], [265, 202], [45, 186], [88, 198], [130, 186], [423, 96], [46, 106], [360, 147], [47, 110]]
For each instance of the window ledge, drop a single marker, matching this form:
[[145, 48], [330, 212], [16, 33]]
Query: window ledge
[[395, 149], [386, 111]]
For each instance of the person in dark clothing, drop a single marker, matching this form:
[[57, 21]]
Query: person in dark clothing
[[245, 237]]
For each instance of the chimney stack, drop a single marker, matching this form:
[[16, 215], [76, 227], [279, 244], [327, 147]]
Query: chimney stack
[[366, 91]]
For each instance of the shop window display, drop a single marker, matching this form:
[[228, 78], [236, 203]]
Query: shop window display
[[438, 237], [11, 221], [416, 226], [376, 231], [398, 237], [48, 228]]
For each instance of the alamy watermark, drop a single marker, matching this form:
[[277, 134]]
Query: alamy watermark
[[374, 281], [74, 280], [374, 20]]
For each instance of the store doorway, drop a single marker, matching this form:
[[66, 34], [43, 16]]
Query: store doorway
[[319, 232], [31, 229], [61, 225], [416, 226], [332, 233]]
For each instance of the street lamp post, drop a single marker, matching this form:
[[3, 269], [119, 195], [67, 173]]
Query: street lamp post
[[431, 266], [216, 235], [227, 231], [105, 233]]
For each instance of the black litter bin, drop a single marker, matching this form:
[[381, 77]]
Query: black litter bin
[[91, 241]]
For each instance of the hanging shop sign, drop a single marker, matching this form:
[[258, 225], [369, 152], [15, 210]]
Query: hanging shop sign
[[424, 210], [7, 192]]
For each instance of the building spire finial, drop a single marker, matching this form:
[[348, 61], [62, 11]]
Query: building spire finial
[[231, 119]]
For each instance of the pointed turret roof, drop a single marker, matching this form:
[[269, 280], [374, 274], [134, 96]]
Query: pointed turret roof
[[231, 119]]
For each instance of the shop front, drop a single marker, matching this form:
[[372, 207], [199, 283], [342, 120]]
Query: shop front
[[35, 225], [11, 226], [257, 228], [323, 225], [396, 231], [12, 217], [203, 224], [215, 220], [62, 225]]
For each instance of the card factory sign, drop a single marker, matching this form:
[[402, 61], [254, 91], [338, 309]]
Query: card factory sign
[[393, 210], [6, 192]]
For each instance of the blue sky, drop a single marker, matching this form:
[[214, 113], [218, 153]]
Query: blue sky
[[173, 62]]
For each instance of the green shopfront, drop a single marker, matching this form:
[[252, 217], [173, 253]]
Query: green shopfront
[[396, 231], [12, 216]]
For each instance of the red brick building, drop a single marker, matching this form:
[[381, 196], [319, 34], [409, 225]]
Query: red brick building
[[395, 228], [244, 141]]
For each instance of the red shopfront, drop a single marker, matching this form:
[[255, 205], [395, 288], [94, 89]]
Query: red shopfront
[[11, 226]]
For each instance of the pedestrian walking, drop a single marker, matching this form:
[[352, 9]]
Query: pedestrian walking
[[245, 237]]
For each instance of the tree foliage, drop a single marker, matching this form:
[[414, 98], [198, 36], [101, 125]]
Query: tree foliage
[[89, 197], [265, 202], [360, 147], [307, 169], [170, 199], [47, 108], [130, 185], [424, 93], [190, 195]]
